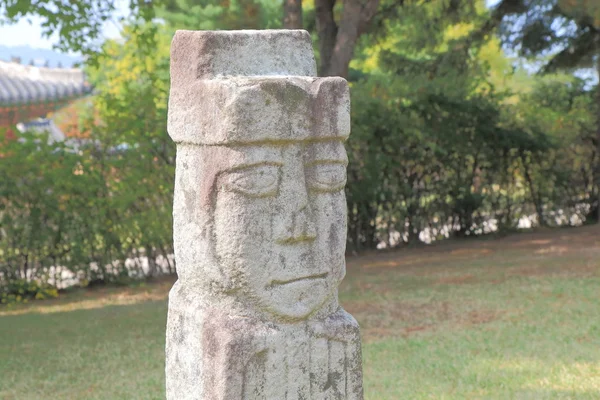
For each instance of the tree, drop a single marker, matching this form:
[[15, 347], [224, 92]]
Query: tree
[[337, 40], [565, 34], [220, 14], [78, 22], [337, 30]]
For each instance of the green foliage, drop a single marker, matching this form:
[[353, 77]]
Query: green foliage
[[449, 138], [442, 164], [67, 18], [446, 140], [79, 23], [132, 105], [48, 198], [92, 208], [567, 30], [213, 15], [22, 291]]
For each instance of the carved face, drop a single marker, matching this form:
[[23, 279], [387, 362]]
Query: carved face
[[280, 224]]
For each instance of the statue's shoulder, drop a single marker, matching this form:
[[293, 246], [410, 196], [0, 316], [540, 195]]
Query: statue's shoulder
[[339, 326]]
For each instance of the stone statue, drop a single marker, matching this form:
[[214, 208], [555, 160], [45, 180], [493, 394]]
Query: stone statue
[[259, 222]]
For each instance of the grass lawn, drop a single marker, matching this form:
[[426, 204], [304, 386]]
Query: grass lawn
[[513, 318]]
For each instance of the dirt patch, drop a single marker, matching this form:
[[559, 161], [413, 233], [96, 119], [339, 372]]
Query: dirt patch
[[411, 313], [558, 241], [566, 269], [405, 319], [552, 250], [470, 252], [410, 261], [411, 330], [376, 332], [457, 280], [483, 316], [540, 242], [387, 313], [98, 297]]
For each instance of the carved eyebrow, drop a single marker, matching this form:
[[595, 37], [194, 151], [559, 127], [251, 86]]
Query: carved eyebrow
[[326, 161], [249, 165]]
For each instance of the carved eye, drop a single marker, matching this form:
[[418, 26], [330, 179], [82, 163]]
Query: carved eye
[[255, 181], [327, 177]]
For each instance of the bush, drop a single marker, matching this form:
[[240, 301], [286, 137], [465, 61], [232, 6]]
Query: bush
[[450, 165], [21, 291], [87, 214]]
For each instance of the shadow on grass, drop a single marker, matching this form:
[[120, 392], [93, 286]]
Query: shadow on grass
[[97, 297]]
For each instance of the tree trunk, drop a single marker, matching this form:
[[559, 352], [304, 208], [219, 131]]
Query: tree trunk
[[292, 14], [337, 43], [535, 197], [327, 31], [345, 40], [355, 18]]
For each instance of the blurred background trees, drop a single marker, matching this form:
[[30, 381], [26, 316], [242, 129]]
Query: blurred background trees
[[468, 119]]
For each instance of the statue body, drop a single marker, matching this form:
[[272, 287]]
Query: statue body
[[259, 222]]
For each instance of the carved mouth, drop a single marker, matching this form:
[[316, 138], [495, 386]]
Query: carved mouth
[[316, 277]]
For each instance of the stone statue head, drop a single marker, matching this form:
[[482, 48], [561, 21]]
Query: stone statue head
[[260, 210]]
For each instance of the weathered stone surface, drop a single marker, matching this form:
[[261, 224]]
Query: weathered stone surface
[[243, 110], [259, 222], [212, 54]]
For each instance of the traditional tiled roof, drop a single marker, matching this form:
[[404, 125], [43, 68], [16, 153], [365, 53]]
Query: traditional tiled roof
[[28, 92], [25, 84]]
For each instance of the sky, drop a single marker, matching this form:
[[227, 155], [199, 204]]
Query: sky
[[26, 33]]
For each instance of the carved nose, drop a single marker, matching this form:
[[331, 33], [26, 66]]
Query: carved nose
[[298, 227], [297, 223]]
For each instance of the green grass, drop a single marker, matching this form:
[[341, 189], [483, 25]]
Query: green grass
[[516, 318]]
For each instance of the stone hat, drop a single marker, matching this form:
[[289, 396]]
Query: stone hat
[[225, 96]]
